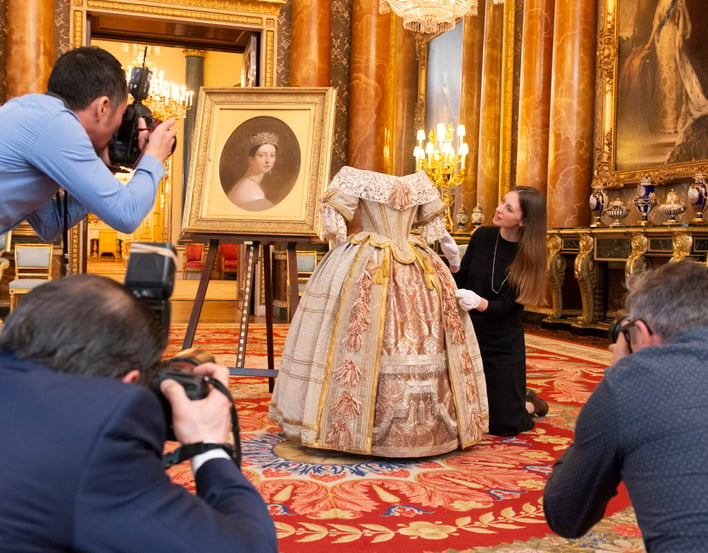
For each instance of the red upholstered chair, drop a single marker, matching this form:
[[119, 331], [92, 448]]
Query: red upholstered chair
[[193, 259], [228, 259]]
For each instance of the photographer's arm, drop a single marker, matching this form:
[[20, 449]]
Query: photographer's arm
[[65, 154], [586, 476], [126, 497]]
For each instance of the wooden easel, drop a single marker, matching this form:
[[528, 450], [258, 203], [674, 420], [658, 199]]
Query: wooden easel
[[247, 283]]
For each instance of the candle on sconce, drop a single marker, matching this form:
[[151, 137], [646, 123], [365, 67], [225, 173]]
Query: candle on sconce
[[440, 132], [429, 150], [463, 151], [419, 154]]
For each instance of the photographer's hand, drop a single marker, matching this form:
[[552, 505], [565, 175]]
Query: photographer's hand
[[205, 420], [160, 141], [619, 349]]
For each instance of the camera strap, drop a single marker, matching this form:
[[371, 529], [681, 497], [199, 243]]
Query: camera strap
[[188, 451], [63, 206]]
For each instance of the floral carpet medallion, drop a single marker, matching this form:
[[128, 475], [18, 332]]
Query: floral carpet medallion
[[487, 498]]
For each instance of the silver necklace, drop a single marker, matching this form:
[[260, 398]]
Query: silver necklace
[[494, 262]]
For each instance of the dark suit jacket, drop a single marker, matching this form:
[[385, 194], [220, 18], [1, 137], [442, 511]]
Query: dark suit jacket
[[80, 470]]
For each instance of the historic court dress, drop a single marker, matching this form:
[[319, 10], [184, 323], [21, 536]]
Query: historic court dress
[[379, 359]]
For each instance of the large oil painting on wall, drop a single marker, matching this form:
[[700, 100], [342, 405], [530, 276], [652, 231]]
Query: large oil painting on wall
[[654, 84]]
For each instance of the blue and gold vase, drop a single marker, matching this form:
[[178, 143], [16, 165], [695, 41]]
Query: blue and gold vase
[[598, 202], [645, 199], [698, 197]]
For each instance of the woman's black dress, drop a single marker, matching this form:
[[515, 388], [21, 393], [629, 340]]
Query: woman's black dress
[[499, 329]]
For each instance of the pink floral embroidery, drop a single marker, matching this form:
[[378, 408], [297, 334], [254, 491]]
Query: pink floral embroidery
[[348, 374], [359, 320], [347, 406], [467, 364], [400, 197], [339, 435]]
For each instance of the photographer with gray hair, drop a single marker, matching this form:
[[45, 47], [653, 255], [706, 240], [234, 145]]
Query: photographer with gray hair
[[82, 461], [645, 423]]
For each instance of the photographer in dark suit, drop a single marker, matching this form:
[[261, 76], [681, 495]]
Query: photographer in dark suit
[[645, 422], [81, 468], [60, 140]]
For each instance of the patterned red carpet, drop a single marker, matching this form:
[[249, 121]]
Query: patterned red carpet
[[485, 499]]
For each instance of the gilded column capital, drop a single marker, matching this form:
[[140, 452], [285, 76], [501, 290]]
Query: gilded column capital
[[194, 52]]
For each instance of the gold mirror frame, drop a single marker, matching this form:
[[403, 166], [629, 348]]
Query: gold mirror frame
[[246, 14], [606, 174]]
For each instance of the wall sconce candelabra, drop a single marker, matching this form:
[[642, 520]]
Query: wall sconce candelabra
[[442, 163]]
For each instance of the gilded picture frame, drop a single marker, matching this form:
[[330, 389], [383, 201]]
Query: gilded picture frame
[[228, 192], [651, 61]]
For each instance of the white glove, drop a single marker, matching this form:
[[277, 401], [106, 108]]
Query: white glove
[[467, 299], [451, 251]]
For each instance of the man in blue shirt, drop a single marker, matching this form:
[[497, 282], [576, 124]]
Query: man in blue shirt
[[645, 423], [60, 140]]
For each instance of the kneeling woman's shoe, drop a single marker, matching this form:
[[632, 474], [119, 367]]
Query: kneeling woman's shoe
[[540, 407]]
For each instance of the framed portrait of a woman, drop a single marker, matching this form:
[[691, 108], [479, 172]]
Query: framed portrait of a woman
[[653, 86], [260, 162]]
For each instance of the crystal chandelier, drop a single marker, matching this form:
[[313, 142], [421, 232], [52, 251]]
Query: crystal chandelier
[[430, 16]]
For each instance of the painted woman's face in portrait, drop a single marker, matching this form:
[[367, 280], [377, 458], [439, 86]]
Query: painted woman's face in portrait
[[264, 158]]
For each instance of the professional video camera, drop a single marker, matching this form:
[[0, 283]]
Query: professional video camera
[[124, 150]]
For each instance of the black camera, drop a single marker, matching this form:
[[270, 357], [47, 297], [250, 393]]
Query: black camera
[[150, 276], [179, 368], [124, 149], [616, 327]]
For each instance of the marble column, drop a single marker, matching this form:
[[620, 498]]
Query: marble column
[[400, 131], [488, 184], [534, 94], [572, 114], [472, 49], [30, 45], [309, 60], [370, 64]]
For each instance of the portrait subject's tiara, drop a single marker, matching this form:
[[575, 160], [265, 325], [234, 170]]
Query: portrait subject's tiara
[[264, 138]]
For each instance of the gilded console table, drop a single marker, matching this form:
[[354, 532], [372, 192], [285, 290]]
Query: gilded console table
[[601, 258]]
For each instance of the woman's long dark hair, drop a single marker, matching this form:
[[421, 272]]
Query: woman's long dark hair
[[527, 273]]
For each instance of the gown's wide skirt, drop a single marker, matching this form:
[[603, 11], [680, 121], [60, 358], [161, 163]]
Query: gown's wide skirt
[[379, 359]]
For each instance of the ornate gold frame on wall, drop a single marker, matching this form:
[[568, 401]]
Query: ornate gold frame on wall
[[606, 174], [253, 14]]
